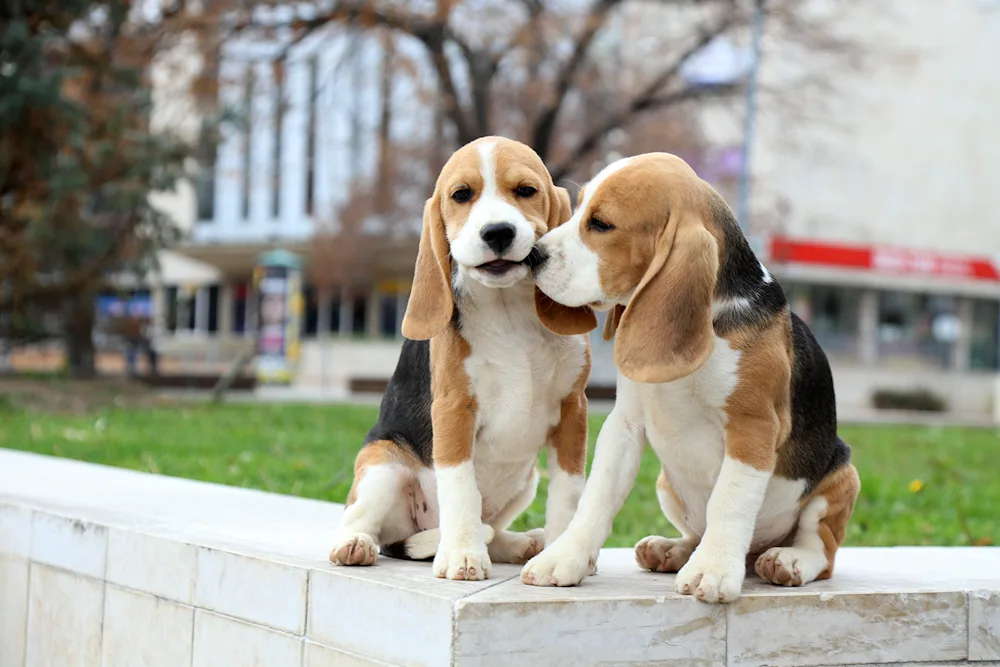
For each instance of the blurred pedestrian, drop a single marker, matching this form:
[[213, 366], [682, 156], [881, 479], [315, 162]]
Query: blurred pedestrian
[[137, 333]]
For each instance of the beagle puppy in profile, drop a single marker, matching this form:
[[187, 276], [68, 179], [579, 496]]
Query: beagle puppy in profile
[[728, 386], [492, 372]]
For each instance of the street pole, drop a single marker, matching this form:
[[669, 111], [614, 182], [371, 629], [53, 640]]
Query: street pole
[[743, 214]]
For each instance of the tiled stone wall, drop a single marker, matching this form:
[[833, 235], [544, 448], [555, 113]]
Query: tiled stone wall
[[108, 568]]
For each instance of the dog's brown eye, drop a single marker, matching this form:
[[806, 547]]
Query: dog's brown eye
[[596, 225], [525, 191], [462, 195]]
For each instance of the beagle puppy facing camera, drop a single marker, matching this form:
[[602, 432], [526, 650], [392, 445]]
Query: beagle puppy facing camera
[[492, 372], [727, 385]]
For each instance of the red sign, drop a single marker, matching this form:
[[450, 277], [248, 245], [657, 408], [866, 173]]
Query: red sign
[[884, 259]]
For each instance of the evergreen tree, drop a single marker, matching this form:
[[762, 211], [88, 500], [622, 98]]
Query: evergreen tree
[[77, 164]]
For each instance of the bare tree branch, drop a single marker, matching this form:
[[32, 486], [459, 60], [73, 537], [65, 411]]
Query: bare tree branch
[[544, 126], [433, 32], [650, 98]]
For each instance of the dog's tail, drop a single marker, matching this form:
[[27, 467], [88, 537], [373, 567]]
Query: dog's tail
[[423, 545]]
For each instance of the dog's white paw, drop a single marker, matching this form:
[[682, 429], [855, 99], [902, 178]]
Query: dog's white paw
[[518, 548], [562, 564], [711, 577], [790, 566], [354, 549], [663, 554], [462, 562]]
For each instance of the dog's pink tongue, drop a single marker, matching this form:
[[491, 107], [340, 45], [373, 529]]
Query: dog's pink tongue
[[496, 263]]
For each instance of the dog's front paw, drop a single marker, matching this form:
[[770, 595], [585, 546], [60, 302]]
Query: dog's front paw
[[462, 562], [354, 549], [663, 554], [711, 576], [508, 547], [562, 564]]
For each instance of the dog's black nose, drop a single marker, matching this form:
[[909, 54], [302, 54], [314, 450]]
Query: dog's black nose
[[498, 236], [536, 258]]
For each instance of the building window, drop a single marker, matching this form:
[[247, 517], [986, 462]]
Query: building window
[[170, 299], [311, 312], [311, 135], [360, 314], [984, 336], [832, 314], [387, 306], [917, 331], [240, 307], [335, 312], [248, 91], [213, 309]]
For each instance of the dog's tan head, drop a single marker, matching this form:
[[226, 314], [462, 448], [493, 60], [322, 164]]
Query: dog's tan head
[[638, 244], [493, 199]]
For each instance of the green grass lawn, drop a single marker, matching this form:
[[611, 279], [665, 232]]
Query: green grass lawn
[[934, 486]]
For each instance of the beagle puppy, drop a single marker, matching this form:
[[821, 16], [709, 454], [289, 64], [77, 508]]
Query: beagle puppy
[[728, 386], [492, 372]]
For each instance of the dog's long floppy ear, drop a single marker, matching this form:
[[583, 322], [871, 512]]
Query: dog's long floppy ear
[[431, 304], [556, 317], [665, 332]]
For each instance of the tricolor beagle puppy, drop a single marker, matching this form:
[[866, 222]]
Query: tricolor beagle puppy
[[728, 386], [493, 372]]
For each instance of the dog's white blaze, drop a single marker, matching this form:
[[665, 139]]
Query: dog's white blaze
[[766, 274], [488, 169]]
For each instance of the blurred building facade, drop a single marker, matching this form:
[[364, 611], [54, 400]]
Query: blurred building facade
[[877, 210], [874, 209]]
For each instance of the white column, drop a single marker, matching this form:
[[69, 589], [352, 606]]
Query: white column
[[324, 296], [961, 349], [262, 132], [294, 128], [250, 313], [229, 163], [201, 310], [158, 296], [346, 312], [373, 313], [868, 328], [225, 318]]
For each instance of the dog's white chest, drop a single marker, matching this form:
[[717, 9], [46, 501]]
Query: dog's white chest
[[519, 373], [686, 426], [519, 380]]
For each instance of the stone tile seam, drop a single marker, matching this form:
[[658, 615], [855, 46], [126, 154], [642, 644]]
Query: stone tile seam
[[305, 619], [66, 514], [353, 654], [967, 595], [104, 604], [452, 656], [194, 607]]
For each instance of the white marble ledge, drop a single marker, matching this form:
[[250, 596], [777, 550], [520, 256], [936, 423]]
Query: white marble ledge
[[112, 554]]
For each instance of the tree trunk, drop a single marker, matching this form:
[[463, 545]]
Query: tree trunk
[[78, 336]]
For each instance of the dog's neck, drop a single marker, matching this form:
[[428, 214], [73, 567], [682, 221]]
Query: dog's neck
[[505, 304]]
